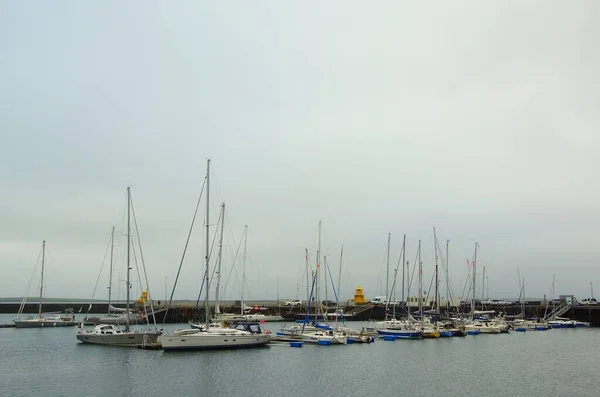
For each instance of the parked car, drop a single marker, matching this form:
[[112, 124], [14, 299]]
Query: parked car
[[329, 303], [379, 300], [588, 302], [294, 302]]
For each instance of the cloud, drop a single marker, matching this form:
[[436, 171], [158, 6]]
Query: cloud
[[476, 118]]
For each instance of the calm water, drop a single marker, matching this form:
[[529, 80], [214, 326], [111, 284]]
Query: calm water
[[51, 362]]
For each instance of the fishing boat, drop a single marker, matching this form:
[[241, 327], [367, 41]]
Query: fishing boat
[[43, 320], [111, 334]]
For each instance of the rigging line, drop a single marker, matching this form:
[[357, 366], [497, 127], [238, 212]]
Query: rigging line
[[139, 241], [214, 241], [187, 241], [100, 272], [234, 259], [380, 279], [429, 289], [467, 282], [137, 269], [200, 292], [24, 300], [412, 275]]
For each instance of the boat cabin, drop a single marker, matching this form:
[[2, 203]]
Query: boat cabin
[[250, 326]]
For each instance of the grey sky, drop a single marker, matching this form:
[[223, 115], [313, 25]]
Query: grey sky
[[479, 118]]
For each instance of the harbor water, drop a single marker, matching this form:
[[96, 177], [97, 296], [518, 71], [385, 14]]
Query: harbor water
[[560, 362]]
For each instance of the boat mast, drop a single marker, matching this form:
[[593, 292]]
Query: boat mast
[[308, 272], [524, 298], [325, 277], [420, 282], [553, 304], [448, 297], [128, 253], [217, 308], [112, 246], [437, 303], [42, 278], [317, 273], [387, 274], [474, 273], [337, 310], [483, 287], [403, 262], [206, 279], [244, 267]]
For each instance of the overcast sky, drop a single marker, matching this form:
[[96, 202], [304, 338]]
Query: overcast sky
[[477, 118]]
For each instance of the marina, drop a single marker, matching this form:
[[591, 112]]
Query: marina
[[145, 371]]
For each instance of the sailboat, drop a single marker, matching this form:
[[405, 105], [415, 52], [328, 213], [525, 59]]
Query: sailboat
[[409, 329], [321, 333], [238, 335], [111, 334], [473, 325], [115, 315], [220, 319], [43, 319]]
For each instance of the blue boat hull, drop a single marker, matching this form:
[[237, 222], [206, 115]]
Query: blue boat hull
[[401, 334]]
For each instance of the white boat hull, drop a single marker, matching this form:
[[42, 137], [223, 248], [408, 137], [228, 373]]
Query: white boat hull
[[334, 339], [208, 340], [43, 323], [484, 329], [125, 339], [262, 317]]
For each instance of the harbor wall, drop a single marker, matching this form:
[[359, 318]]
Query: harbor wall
[[183, 312]]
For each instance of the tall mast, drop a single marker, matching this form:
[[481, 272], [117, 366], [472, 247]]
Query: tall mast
[[338, 287], [483, 287], [524, 298], [112, 246], [317, 270], [474, 274], [448, 298], [308, 273], [42, 278], [437, 303], [128, 252], [244, 266], [387, 274], [206, 279], [403, 262], [420, 282], [217, 308], [325, 277]]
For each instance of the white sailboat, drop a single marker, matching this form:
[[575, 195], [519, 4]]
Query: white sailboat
[[115, 315], [240, 335], [474, 325], [109, 334], [43, 319], [322, 333]]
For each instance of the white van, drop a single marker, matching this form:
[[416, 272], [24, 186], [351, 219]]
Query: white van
[[379, 300]]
